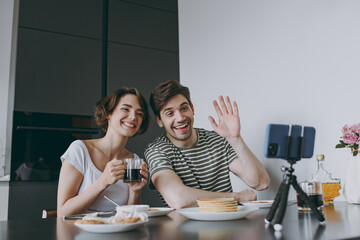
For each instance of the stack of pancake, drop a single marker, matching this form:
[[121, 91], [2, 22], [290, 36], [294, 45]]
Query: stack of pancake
[[217, 205]]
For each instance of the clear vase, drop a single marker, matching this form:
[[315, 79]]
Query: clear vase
[[351, 189]]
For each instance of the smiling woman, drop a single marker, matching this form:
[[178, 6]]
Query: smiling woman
[[94, 168], [110, 103]]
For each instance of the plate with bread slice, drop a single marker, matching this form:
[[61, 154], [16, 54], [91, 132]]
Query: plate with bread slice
[[158, 211]]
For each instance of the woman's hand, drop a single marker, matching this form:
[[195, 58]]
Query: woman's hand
[[137, 186], [113, 172]]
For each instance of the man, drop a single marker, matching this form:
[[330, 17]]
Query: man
[[190, 163]]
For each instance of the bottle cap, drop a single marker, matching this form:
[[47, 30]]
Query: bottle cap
[[320, 157]]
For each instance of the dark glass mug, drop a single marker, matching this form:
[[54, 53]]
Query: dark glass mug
[[132, 171]]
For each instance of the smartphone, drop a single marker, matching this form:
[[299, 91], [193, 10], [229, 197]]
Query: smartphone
[[276, 140], [309, 142], [289, 142]]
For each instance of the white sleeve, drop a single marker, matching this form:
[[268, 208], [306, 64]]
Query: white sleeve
[[136, 156], [76, 155]]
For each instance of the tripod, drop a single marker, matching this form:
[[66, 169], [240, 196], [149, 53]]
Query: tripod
[[280, 202]]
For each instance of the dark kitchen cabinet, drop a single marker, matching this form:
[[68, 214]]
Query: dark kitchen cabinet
[[71, 53], [57, 73], [142, 52], [28, 199], [142, 26], [140, 67], [80, 17], [144, 69], [168, 5]]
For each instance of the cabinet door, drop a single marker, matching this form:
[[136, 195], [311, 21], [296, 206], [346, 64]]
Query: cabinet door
[[80, 17], [57, 73], [140, 67], [143, 26], [168, 5], [28, 199], [144, 69]]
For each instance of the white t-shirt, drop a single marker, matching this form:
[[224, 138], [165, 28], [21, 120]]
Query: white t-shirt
[[78, 155]]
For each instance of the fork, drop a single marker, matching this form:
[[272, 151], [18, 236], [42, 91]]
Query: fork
[[111, 201]]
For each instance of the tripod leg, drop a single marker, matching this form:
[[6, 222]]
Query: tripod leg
[[275, 204], [307, 200], [282, 207]]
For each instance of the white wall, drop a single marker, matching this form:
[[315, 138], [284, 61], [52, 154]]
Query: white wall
[[290, 62], [8, 23]]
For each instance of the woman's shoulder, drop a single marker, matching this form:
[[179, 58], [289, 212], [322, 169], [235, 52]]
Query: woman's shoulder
[[130, 154], [76, 150], [77, 155], [77, 145], [77, 142], [136, 156]]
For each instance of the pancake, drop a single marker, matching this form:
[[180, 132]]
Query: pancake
[[217, 205]]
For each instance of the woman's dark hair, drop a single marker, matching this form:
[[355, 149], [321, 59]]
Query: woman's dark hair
[[105, 106], [164, 91]]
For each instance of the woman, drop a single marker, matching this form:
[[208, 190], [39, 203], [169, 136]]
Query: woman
[[92, 169]]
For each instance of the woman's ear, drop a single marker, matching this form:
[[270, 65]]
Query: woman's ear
[[159, 122]]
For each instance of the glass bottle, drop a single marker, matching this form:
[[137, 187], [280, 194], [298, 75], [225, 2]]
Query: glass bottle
[[330, 186]]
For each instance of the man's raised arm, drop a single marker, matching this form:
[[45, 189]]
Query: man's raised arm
[[247, 166]]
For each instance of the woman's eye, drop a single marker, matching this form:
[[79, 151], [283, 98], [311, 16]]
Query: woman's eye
[[125, 109], [140, 114]]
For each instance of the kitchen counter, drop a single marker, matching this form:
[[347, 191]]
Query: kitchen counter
[[5, 178]]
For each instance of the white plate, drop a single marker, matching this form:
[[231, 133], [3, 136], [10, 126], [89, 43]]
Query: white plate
[[162, 211], [259, 203], [109, 228], [193, 213]]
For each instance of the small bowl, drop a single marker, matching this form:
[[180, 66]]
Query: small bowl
[[130, 208]]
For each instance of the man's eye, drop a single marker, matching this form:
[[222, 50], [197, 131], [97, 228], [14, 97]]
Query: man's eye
[[184, 109], [169, 114]]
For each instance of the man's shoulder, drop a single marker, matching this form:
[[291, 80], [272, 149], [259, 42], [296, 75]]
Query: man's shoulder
[[160, 142], [204, 133]]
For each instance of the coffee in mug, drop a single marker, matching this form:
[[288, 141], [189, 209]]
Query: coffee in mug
[[132, 171]]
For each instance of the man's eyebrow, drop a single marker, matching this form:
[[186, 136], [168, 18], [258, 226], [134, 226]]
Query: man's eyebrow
[[169, 108]]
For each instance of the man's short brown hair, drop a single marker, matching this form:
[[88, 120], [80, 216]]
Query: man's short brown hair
[[164, 91], [107, 105]]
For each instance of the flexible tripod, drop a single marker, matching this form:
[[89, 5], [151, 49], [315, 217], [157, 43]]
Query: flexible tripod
[[280, 202], [294, 151]]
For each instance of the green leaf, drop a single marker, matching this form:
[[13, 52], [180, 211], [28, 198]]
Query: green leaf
[[355, 153], [342, 142], [339, 146]]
